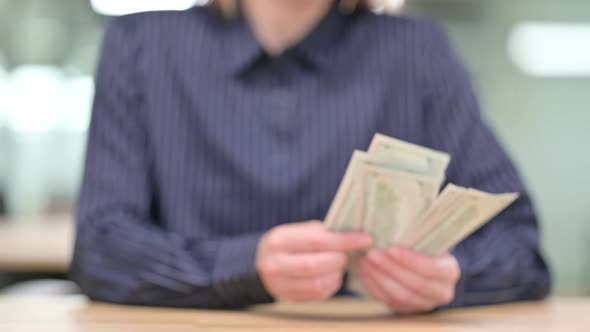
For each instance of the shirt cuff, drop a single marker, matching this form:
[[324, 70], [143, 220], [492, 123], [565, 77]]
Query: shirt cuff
[[477, 286], [235, 278]]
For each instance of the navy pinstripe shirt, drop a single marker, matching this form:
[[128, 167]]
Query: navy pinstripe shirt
[[200, 142]]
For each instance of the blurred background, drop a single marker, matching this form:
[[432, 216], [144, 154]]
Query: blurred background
[[530, 62]]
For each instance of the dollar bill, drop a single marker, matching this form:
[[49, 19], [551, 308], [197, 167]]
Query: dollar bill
[[436, 214], [392, 201], [475, 209], [343, 214], [367, 175], [408, 157]]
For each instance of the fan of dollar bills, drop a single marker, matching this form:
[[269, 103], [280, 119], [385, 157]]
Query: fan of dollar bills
[[392, 193]]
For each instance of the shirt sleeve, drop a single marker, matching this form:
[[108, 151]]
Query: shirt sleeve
[[122, 253], [501, 262]]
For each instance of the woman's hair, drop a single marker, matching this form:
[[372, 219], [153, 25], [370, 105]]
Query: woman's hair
[[229, 8]]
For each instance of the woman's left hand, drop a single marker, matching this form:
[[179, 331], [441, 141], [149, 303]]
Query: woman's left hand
[[408, 282]]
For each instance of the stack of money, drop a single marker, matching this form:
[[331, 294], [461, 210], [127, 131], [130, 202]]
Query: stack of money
[[392, 192]]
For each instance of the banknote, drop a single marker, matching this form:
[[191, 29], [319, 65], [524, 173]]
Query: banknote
[[392, 200], [367, 175], [408, 157], [436, 214], [344, 210], [473, 210]]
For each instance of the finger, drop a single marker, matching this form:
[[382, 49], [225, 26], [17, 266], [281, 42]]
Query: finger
[[305, 264], [305, 290], [399, 298], [371, 284], [440, 292], [443, 268], [314, 237]]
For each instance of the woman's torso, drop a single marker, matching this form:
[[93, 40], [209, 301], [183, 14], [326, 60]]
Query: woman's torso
[[241, 142]]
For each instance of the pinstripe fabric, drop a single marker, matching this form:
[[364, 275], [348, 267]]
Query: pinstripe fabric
[[200, 143]]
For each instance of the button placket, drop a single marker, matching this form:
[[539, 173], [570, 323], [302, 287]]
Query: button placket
[[283, 111]]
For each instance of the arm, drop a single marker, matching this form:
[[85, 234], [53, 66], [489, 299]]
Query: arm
[[121, 254], [501, 262]]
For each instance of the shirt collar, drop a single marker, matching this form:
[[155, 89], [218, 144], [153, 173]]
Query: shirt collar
[[243, 49], [322, 42]]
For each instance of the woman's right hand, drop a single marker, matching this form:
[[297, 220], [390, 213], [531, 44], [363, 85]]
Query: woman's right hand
[[305, 261]]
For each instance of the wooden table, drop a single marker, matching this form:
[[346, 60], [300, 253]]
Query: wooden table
[[36, 245], [71, 314]]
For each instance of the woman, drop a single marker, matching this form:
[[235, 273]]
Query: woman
[[215, 129]]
